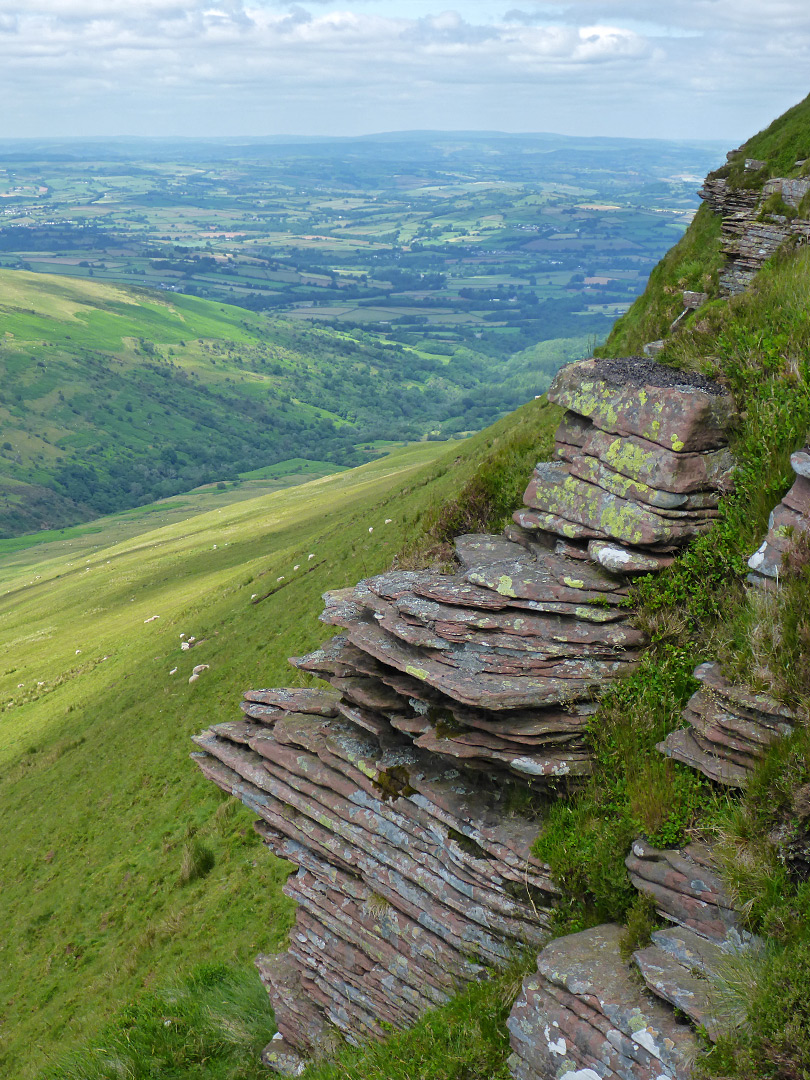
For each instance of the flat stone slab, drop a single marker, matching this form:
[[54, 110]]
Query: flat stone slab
[[458, 591], [635, 396], [521, 625], [596, 472], [800, 462], [480, 549], [305, 700], [756, 703], [554, 491], [687, 889], [666, 470], [673, 981], [555, 578], [584, 1015], [683, 746], [547, 522], [619, 559], [491, 691]]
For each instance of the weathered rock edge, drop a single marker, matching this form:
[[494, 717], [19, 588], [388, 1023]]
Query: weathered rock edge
[[391, 791]]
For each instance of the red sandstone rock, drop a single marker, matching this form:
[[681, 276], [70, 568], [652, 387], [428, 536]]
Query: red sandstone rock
[[622, 397]]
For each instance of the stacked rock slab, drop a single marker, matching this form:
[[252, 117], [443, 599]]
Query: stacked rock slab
[[642, 461], [730, 729], [686, 964], [495, 666], [787, 522], [389, 791], [411, 881], [748, 236], [585, 1014]]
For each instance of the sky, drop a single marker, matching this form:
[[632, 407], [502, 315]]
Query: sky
[[687, 69]]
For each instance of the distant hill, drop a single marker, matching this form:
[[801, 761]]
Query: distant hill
[[112, 397]]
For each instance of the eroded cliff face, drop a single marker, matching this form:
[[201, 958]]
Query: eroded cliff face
[[394, 791], [753, 227]]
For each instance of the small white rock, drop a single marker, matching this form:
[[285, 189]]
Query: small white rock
[[173, 671]]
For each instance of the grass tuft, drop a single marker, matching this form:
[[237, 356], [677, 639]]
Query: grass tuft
[[198, 860]]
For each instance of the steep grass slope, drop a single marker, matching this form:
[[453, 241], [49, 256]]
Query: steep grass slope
[[693, 263], [120, 867], [112, 397]]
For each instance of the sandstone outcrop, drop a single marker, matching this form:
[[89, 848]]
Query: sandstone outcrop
[[642, 459], [686, 964], [585, 1014], [750, 236], [730, 729], [449, 693], [787, 522], [584, 1011], [411, 880]]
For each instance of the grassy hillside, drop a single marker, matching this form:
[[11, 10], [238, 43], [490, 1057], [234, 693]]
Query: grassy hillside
[[121, 868], [113, 397], [758, 344], [693, 263], [783, 147]]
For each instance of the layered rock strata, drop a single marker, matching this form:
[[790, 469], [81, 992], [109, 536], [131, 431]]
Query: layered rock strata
[[391, 790], [642, 461], [730, 728], [411, 881], [749, 236], [787, 522], [586, 1014], [687, 963]]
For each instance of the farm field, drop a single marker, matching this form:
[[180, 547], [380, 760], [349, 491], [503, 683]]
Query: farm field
[[178, 315], [490, 240]]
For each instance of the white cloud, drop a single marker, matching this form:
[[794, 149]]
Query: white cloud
[[699, 67]]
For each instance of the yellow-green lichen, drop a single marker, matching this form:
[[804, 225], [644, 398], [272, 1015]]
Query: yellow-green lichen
[[417, 672], [505, 586]]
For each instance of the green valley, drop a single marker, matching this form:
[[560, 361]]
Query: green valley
[[112, 397]]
